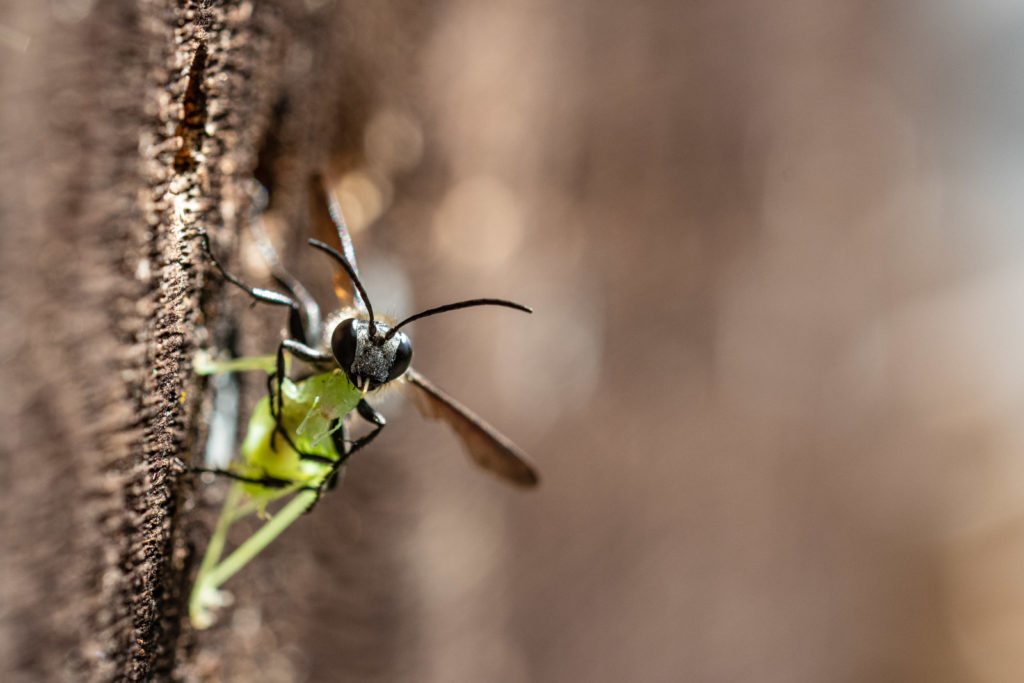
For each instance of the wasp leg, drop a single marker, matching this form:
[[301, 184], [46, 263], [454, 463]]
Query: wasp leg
[[368, 413], [267, 481], [260, 295], [306, 353], [310, 309], [303, 353], [279, 429], [340, 447]]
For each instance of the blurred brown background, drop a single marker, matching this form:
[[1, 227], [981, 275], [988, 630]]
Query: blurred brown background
[[772, 382]]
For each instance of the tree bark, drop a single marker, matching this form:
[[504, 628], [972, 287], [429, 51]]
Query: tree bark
[[124, 129]]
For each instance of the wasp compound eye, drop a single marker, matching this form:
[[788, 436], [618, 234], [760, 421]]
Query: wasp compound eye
[[343, 345], [403, 356]]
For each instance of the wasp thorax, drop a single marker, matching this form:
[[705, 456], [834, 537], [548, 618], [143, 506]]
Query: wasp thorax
[[370, 362]]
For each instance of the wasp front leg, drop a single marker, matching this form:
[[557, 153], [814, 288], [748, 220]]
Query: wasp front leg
[[267, 481], [275, 387], [345, 450]]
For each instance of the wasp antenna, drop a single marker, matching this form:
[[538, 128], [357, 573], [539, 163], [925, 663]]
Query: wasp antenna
[[331, 251], [454, 307]]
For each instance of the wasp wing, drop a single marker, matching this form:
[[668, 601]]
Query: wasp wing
[[326, 212], [489, 448]]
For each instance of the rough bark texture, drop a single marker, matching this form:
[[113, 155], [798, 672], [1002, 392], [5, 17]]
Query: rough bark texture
[[123, 132]]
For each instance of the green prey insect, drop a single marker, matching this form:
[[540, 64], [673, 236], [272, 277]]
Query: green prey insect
[[296, 440]]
